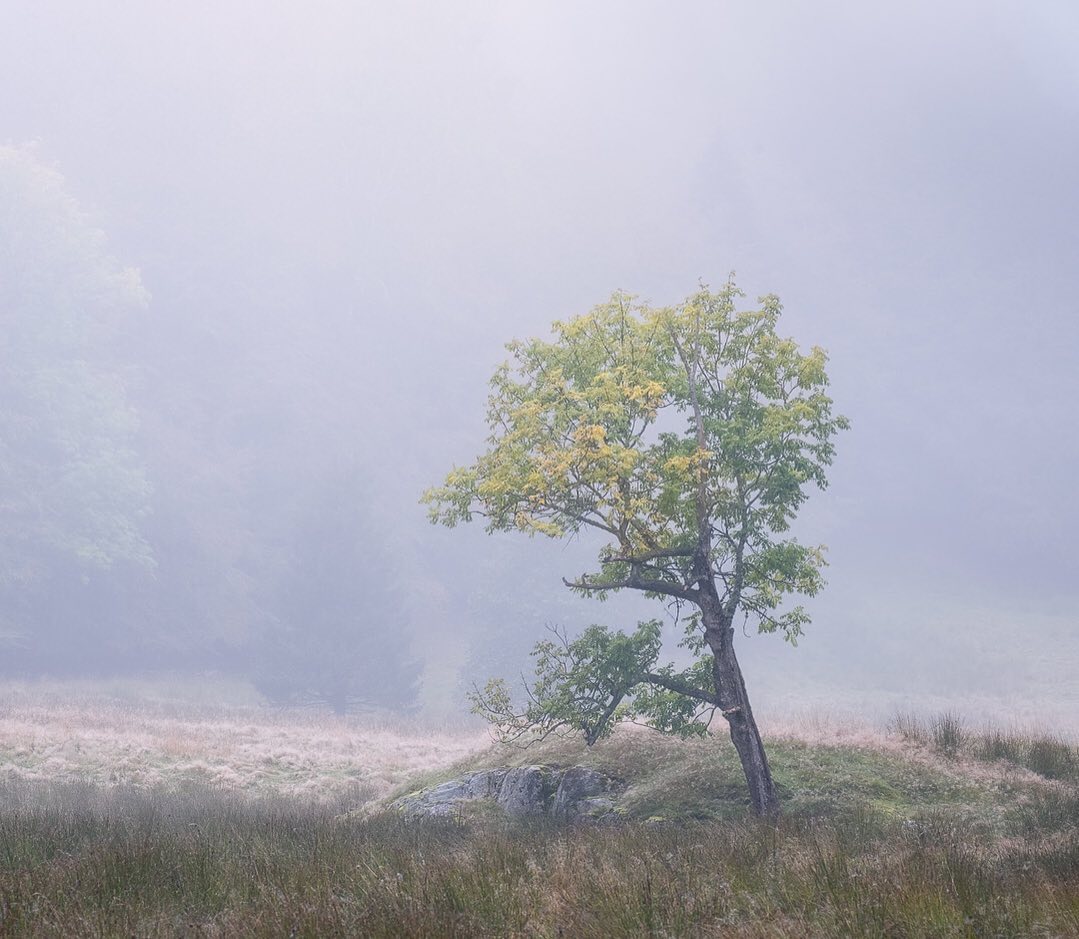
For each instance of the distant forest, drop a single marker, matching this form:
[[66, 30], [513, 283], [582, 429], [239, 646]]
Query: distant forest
[[177, 492]]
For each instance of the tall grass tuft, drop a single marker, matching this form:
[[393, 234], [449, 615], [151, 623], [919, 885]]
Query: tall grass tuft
[[1052, 811], [996, 744], [1052, 758], [949, 733], [910, 727], [1048, 755]]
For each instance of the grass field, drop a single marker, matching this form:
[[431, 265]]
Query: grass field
[[141, 816], [150, 736]]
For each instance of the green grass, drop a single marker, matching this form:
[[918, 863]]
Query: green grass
[[701, 780]]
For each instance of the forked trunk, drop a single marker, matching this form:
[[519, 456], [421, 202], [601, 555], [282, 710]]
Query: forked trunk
[[734, 703]]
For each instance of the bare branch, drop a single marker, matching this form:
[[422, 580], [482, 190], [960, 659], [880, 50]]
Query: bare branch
[[675, 684], [634, 582]]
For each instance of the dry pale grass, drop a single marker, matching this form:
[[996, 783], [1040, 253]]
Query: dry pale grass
[[849, 710], [156, 734], [47, 734]]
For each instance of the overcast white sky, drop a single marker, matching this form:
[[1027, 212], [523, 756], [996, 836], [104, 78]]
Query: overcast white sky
[[432, 179]]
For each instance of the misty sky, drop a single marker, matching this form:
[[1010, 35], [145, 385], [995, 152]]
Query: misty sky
[[423, 182]]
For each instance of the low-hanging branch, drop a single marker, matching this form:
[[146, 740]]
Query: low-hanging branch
[[634, 582], [678, 686]]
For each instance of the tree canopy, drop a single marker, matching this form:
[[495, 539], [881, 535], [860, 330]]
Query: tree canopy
[[687, 437]]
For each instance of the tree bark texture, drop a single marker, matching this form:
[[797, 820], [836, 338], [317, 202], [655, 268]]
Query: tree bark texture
[[734, 704]]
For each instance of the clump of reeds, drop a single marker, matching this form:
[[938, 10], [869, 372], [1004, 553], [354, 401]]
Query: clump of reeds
[[949, 732], [996, 744], [1052, 757], [1049, 755], [910, 727]]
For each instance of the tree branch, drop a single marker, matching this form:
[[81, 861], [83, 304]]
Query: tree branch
[[593, 733], [634, 582], [672, 683], [653, 555], [735, 595]]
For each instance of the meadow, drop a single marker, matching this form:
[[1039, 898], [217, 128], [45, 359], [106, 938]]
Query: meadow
[[153, 734], [130, 814]]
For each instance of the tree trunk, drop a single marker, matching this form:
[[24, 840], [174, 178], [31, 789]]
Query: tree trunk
[[734, 703]]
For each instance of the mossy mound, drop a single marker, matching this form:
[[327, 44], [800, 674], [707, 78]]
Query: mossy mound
[[685, 780]]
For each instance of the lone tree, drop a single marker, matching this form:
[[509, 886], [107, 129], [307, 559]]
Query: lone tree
[[687, 437]]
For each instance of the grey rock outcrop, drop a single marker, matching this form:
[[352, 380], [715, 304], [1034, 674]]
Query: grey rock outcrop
[[576, 793], [526, 791], [486, 784], [437, 801], [582, 792]]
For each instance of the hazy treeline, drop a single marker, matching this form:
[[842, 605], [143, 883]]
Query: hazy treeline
[[169, 500], [188, 488]]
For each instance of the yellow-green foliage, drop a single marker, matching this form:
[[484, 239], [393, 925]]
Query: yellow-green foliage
[[688, 438], [597, 428]]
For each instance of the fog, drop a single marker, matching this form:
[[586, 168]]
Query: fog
[[340, 212]]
